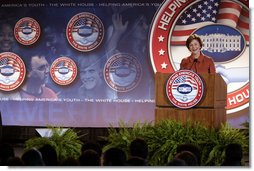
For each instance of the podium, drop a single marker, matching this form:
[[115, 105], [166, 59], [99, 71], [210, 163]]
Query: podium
[[210, 111]]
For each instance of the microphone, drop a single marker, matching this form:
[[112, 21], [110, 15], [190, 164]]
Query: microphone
[[194, 61]]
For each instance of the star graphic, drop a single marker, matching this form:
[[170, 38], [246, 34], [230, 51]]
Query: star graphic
[[161, 38], [161, 52], [164, 65]]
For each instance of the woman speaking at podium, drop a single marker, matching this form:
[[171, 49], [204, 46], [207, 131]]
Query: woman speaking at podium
[[197, 61]]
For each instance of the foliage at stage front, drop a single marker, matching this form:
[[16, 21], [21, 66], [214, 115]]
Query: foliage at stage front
[[67, 144], [163, 138]]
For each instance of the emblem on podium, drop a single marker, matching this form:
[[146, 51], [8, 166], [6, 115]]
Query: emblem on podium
[[184, 89]]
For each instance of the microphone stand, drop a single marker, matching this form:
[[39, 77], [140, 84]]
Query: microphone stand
[[194, 61]]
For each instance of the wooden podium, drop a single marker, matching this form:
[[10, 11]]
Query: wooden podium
[[210, 111]]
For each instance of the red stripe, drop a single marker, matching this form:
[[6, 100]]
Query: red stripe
[[245, 13], [230, 5], [228, 16], [177, 42], [246, 37], [243, 24], [182, 32]]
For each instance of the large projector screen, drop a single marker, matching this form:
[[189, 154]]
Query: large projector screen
[[86, 64], [92, 63]]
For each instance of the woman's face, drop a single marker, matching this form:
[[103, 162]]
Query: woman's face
[[6, 37], [194, 46]]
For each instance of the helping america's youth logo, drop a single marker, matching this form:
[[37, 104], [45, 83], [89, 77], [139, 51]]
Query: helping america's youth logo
[[12, 71], [223, 26], [85, 31], [27, 31], [122, 72], [63, 71], [184, 89]]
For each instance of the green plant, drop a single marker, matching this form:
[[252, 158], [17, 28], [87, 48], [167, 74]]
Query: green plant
[[246, 126], [122, 138], [225, 136], [164, 137], [66, 144]]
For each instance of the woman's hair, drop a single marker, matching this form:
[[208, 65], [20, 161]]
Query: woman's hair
[[192, 37]]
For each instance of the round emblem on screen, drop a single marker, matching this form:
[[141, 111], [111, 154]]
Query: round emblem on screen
[[27, 31], [184, 89], [85, 31], [122, 72], [12, 71], [63, 71]]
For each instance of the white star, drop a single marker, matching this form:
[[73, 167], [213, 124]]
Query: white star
[[216, 4], [184, 21], [193, 19], [210, 7], [161, 52], [161, 38], [208, 15], [164, 65], [204, 11], [214, 11], [195, 10], [188, 15], [200, 6], [198, 14], [203, 18], [205, 2], [213, 19]]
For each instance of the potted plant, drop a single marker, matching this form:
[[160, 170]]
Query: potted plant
[[164, 137], [67, 144]]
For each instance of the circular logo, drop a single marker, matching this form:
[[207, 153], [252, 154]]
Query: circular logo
[[122, 72], [12, 71], [184, 89], [63, 71], [27, 31], [227, 42], [85, 31]]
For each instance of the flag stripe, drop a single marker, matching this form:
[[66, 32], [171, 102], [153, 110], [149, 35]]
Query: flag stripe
[[245, 13], [230, 11], [182, 32], [242, 24], [177, 42], [227, 16], [231, 5], [192, 26]]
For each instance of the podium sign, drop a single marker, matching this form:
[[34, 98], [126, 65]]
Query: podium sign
[[210, 110], [184, 89]]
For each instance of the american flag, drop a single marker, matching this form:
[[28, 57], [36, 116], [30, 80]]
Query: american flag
[[85, 22], [184, 79], [64, 64], [10, 62], [209, 12]]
